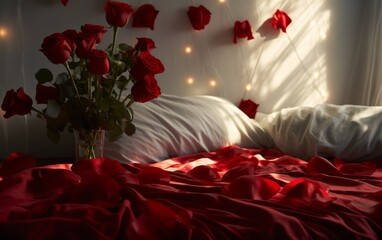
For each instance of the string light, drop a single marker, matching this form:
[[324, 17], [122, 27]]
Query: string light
[[248, 87], [221, 1], [190, 80], [3, 32], [188, 49], [212, 83]]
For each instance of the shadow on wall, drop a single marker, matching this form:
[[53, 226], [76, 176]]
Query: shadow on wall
[[290, 69]]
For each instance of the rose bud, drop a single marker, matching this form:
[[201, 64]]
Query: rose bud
[[118, 13], [16, 103], [146, 90], [98, 62], [56, 48]]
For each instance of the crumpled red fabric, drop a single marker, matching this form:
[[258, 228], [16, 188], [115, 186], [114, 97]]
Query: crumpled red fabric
[[233, 193], [16, 162]]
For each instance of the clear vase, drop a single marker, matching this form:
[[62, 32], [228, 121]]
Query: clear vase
[[89, 144]]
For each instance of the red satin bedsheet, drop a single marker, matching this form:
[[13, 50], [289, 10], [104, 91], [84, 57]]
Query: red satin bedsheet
[[234, 193]]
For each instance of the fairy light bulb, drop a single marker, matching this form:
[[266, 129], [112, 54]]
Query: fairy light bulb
[[190, 80], [188, 49], [248, 87], [221, 1], [212, 83], [3, 33]]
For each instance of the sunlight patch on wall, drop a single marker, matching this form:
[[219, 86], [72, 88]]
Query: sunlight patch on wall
[[290, 69]]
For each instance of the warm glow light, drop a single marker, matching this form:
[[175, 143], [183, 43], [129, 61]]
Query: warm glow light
[[212, 83], [248, 87], [188, 49], [221, 1], [3, 33], [190, 80]]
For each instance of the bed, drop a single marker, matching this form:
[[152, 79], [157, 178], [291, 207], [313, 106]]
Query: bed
[[199, 168]]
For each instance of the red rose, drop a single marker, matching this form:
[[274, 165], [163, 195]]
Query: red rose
[[96, 30], [86, 43], [98, 62], [145, 16], [145, 44], [146, 90], [249, 108], [71, 37], [146, 64], [56, 48], [118, 13], [281, 20], [45, 93], [16, 103], [199, 16], [242, 30]]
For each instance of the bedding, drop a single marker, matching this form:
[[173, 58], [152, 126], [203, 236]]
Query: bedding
[[172, 125], [232, 193], [352, 133], [199, 168]]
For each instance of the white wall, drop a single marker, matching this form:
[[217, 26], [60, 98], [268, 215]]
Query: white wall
[[306, 66]]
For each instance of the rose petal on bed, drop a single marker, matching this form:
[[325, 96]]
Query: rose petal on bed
[[238, 171], [97, 190], [52, 180], [251, 187], [362, 168], [158, 221], [16, 162], [302, 192], [320, 165], [149, 175], [230, 151], [204, 173], [98, 166], [377, 195]]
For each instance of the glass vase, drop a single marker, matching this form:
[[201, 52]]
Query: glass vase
[[89, 144]]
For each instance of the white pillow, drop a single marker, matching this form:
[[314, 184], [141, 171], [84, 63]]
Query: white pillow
[[171, 126], [349, 132]]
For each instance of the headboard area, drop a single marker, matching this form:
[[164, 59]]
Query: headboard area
[[277, 53]]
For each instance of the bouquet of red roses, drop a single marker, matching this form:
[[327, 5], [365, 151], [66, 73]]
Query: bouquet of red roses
[[89, 95]]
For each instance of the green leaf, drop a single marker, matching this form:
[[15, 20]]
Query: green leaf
[[129, 128], [115, 133], [122, 82], [53, 135], [73, 65], [125, 47], [53, 109], [118, 65], [44, 75], [119, 110]]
